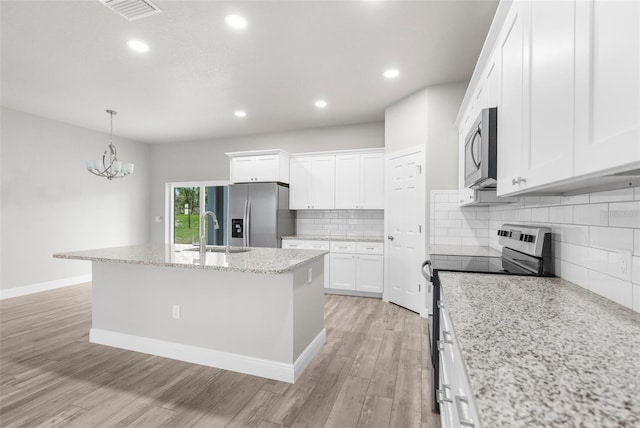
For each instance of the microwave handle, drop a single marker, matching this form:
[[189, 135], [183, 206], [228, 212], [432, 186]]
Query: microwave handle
[[475, 141]]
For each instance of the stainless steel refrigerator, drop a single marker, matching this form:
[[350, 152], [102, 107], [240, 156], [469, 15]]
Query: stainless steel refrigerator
[[259, 215]]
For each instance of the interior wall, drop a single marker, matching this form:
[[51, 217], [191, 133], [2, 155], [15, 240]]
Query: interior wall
[[206, 160], [427, 118], [50, 203]]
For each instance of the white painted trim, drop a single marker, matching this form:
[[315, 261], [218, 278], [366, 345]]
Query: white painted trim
[[209, 357], [43, 286], [307, 355], [341, 152]]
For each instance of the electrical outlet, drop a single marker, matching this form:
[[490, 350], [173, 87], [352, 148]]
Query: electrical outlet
[[176, 312], [624, 263], [309, 275]]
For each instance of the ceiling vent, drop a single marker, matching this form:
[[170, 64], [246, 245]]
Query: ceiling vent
[[132, 9]]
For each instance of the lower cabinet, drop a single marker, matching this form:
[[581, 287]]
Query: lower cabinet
[[457, 405], [355, 266]]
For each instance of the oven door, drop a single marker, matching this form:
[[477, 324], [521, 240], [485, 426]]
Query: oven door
[[473, 156]]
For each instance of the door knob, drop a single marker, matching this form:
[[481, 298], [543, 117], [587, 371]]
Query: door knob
[[390, 237]]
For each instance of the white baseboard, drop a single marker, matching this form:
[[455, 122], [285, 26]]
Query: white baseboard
[[209, 357], [307, 355], [43, 286]]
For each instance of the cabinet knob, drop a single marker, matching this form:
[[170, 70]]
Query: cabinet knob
[[390, 237]]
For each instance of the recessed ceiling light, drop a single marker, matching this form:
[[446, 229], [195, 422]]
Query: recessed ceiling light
[[321, 103], [391, 73], [240, 113], [235, 21], [138, 46]]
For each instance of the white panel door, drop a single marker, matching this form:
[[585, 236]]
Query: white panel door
[[300, 184], [549, 82], [347, 181], [607, 85], [343, 271], [405, 211], [372, 181], [323, 182], [369, 273], [511, 133]]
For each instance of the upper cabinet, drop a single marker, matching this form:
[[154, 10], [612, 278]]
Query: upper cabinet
[[359, 181], [259, 166], [607, 85], [565, 78], [312, 184]]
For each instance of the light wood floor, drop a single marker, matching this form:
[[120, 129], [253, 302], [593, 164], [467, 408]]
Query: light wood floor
[[372, 372]]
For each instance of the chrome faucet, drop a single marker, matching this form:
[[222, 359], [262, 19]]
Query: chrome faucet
[[203, 238]]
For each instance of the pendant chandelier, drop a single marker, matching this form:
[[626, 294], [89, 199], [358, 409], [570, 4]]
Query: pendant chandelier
[[110, 167]]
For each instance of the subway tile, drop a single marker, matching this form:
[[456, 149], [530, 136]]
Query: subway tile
[[593, 214], [612, 238], [482, 215], [635, 269], [457, 215], [636, 242], [625, 214], [551, 200], [447, 240], [577, 274], [338, 221], [524, 214], [575, 199], [612, 196], [441, 197], [574, 234], [597, 260], [561, 214], [636, 193], [469, 215], [612, 288], [477, 224], [453, 197], [480, 242], [440, 215], [448, 223], [540, 215], [636, 297]]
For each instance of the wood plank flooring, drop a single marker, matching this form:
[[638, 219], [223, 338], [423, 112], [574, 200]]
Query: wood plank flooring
[[372, 372]]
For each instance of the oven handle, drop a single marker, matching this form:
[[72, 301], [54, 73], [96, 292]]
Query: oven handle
[[427, 274]]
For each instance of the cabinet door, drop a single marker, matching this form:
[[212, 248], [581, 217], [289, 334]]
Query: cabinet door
[[511, 133], [300, 183], [607, 85], [266, 168], [323, 182], [343, 271], [347, 182], [242, 169], [492, 83], [369, 273], [549, 85], [371, 181]]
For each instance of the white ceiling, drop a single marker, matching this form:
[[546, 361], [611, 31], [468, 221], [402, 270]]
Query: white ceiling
[[68, 60]]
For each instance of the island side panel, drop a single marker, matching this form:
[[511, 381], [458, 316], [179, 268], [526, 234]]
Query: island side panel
[[235, 312], [308, 306]]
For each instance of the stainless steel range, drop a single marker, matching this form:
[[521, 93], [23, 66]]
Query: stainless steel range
[[526, 250]]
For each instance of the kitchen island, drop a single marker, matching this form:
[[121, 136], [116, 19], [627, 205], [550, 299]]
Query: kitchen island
[[259, 312]]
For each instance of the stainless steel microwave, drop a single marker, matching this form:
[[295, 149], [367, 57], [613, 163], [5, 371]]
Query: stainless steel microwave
[[480, 151]]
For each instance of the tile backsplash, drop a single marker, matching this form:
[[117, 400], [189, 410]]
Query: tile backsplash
[[341, 222], [594, 234]]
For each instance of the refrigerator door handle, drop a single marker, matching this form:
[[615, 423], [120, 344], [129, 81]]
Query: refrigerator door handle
[[248, 228], [245, 222]]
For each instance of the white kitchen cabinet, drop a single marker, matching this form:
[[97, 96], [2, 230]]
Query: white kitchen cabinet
[[312, 184], [607, 86], [343, 271], [259, 166], [357, 267], [511, 133], [369, 273], [359, 181]]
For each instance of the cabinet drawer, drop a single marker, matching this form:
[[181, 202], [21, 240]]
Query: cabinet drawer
[[318, 245], [292, 243], [343, 247], [369, 247]]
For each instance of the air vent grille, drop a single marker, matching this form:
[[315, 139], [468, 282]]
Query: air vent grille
[[132, 9]]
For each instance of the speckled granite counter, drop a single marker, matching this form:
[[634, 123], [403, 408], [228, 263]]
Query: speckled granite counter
[[257, 260], [543, 352], [463, 250], [336, 238]]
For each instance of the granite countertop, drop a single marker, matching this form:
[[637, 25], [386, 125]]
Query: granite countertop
[[463, 250], [543, 352], [336, 238], [257, 260]]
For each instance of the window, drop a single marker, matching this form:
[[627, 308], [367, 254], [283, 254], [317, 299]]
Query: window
[[186, 202]]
